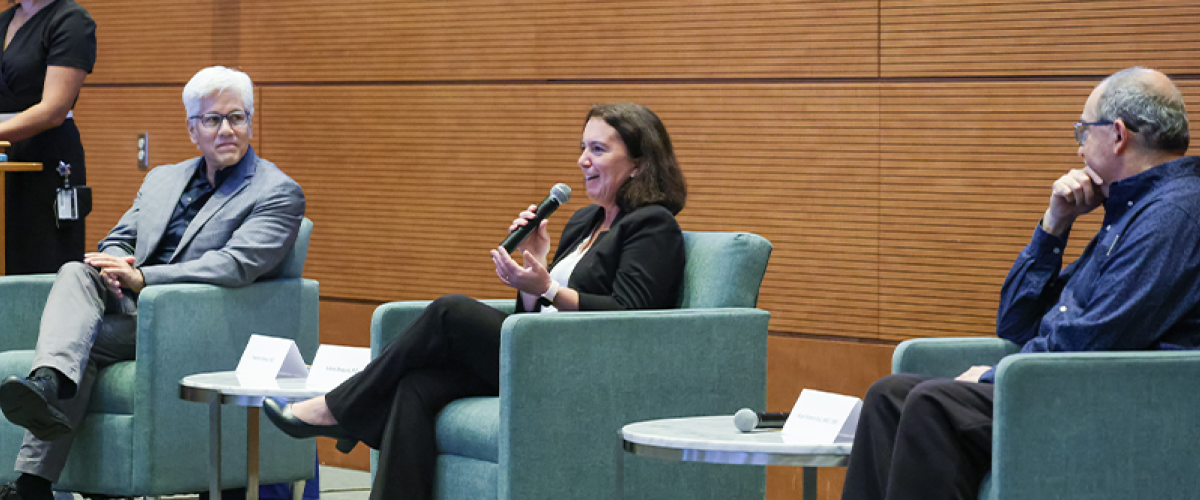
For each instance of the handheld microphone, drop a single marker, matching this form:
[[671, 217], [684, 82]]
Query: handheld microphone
[[560, 194], [747, 420]]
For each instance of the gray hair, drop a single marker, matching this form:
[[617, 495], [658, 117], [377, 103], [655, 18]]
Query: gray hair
[[1156, 114], [213, 80]]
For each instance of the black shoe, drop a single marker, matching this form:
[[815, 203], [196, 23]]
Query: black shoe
[[8, 491], [286, 421], [32, 403]]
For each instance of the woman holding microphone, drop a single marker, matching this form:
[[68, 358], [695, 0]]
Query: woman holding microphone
[[49, 47], [623, 252]]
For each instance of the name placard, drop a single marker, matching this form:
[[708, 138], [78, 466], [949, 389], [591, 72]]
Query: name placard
[[271, 357], [336, 363], [822, 418]]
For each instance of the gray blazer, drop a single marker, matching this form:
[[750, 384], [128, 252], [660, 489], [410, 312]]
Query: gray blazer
[[242, 234]]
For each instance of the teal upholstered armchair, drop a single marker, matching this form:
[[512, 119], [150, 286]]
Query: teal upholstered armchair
[[570, 381], [1098, 425], [139, 438]]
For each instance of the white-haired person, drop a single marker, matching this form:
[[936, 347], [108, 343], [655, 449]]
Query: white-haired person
[[49, 48], [226, 218]]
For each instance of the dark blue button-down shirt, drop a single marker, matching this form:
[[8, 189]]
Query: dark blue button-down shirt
[[194, 196], [1137, 284]]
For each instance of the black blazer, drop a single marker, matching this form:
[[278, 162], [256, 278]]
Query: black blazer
[[636, 264]]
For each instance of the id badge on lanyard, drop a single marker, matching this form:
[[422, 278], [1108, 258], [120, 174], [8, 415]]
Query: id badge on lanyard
[[66, 203]]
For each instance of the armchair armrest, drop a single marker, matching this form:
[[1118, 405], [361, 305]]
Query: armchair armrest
[[390, 319], [1096, 425], [22, 299], [574, 379], [185, 329], [949, 357]]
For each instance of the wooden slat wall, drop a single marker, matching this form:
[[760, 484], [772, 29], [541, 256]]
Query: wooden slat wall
[[159, 41], [940, 38], [379, 183], [309, 40], [965, 174], [405, 183], [111, 150], [966, 169]]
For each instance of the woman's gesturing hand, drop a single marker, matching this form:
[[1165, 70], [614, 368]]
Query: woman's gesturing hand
[[532, 278], [538, 242]]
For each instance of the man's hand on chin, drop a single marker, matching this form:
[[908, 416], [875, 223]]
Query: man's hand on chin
[[117, 272]]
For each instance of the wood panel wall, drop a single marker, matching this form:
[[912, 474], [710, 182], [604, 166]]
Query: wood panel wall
[[1005, 38], [896, 152], [489, 40]]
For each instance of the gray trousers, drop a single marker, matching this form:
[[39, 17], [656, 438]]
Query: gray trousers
[[84, 328]]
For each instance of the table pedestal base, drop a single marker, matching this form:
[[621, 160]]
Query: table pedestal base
[[214, 454], [218, 388]]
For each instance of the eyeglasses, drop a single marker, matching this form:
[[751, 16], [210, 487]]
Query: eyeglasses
[[1081, 129], [212, 121]]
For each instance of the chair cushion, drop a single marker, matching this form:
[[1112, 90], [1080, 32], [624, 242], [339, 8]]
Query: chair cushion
[[470, 428], [459, 478], [112, 393]]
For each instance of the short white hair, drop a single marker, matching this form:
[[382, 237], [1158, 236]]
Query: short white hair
[[213, 80]]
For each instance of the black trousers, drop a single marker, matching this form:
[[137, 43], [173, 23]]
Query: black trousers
[[921, 438], [451, 351]]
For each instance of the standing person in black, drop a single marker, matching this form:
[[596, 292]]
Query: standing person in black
[[624, 252], [49, 47]]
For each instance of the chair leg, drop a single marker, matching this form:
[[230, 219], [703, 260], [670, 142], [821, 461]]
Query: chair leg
[[298, 490]]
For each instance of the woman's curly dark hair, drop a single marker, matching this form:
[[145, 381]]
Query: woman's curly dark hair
[[659, 180]]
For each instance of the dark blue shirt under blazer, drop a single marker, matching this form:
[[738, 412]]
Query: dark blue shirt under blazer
[[190, 202], [1137, 284]]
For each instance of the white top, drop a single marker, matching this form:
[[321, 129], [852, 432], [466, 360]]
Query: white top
[[562, 272]]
